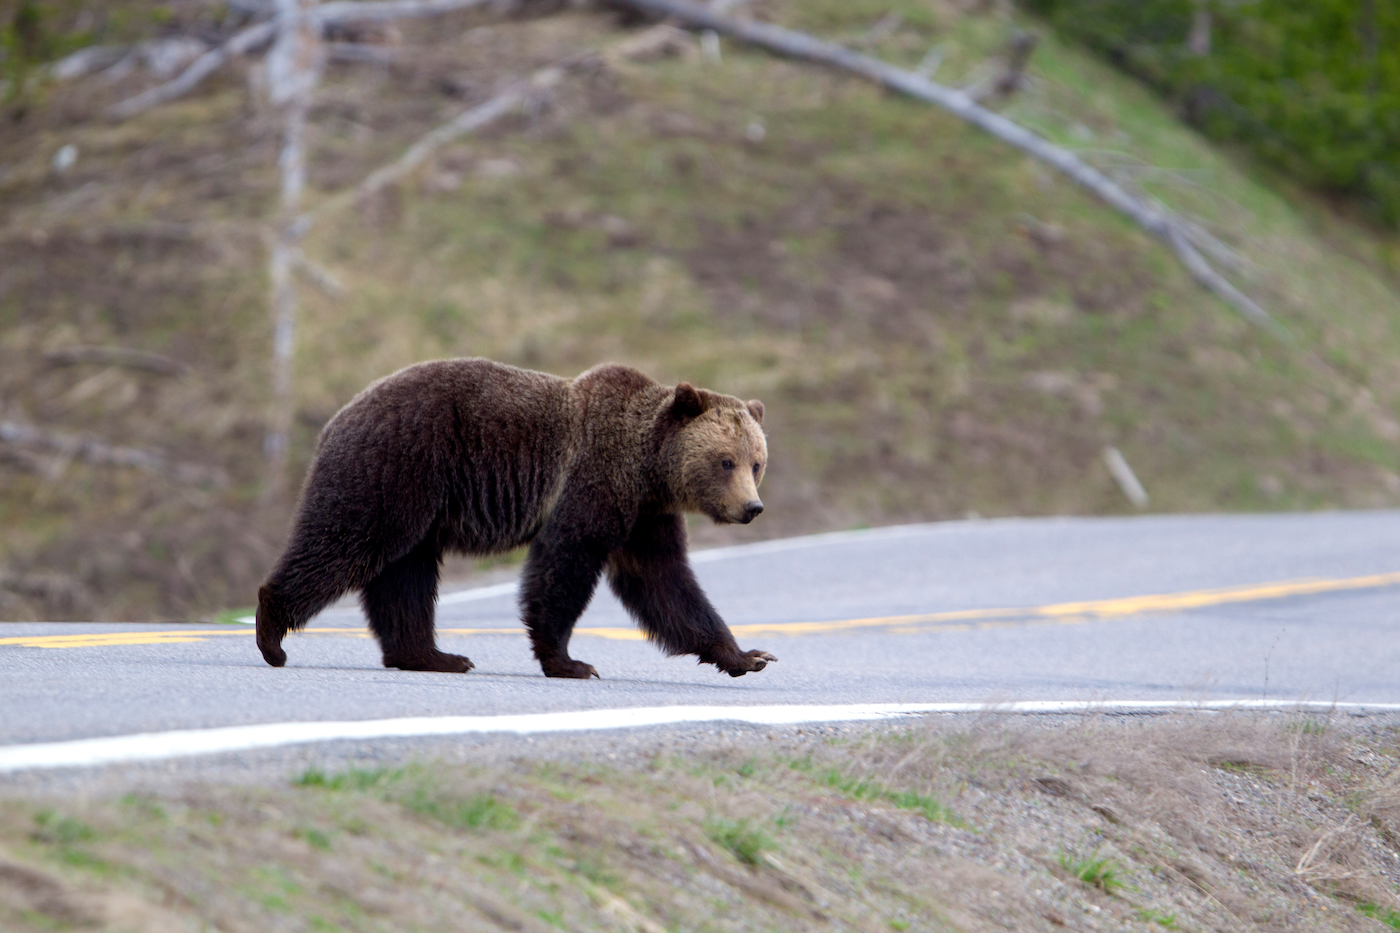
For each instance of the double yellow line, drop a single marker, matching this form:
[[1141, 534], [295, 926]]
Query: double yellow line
[[961, 620]]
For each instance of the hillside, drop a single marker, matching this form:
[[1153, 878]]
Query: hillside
[[938, 325]]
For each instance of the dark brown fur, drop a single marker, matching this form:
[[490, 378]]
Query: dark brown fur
[[477, 457]]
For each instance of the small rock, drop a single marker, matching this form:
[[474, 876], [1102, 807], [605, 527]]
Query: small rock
[[65, 158]]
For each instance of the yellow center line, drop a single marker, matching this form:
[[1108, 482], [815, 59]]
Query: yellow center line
[[1076, 612], [1072, 613]]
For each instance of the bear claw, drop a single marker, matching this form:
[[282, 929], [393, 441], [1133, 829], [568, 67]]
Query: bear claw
[[749, 661], [570, 668], [438, 662]]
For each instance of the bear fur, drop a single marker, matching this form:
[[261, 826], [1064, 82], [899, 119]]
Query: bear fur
[[479, 458]]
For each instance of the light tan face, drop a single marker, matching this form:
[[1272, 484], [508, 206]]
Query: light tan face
[[723, 459]]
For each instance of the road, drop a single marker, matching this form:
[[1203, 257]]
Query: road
[[1160, 607]]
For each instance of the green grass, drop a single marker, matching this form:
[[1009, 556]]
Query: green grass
[[61, 830], [1101, 873], [1162, 919], [478, 811], [352, 779], [414, 789], [745, 841], [861, 789], [1387, 915]]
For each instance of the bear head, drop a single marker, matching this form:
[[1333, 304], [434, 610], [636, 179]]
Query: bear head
[[720, 454]]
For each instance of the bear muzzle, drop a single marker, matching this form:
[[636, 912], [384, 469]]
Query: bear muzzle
[[751, 511]]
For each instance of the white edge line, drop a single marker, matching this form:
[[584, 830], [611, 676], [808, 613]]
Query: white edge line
[[154, 746]]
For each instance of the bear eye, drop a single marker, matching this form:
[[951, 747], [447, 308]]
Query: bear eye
[[755, 468], [727, 464]]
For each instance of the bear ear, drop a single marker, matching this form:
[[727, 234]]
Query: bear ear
[[688, 402], [756, 409]]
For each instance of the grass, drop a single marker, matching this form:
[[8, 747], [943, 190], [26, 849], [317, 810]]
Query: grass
[[1101, 873], [1166, 920], [859, 789], [1387, 915], [747, 843], [645, 840]]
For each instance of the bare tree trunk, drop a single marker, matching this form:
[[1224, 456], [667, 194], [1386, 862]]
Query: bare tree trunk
[[293, 67], [1198, 42], [1167, 228]]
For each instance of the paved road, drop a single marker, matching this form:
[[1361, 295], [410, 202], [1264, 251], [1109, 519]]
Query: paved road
[[980, 610]]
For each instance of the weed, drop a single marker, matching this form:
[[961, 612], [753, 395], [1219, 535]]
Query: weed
[[512, 862], [145, 807], [77, 858], [479, 811], [748, 843], [313, 837], [1147, 915], [1387, 915], [60, 830], [746, 769], [353, 779], [906, 800], [1096, 872], [899, 925]]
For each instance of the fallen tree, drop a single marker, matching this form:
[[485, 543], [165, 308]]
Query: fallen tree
[[75, 446], [1171, 230], [260, 33]]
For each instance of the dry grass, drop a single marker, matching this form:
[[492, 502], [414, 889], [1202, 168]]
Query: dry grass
[[1222, 823]]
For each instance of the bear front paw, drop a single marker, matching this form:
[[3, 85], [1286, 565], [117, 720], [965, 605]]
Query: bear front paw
[[568, 667], [748, 661]]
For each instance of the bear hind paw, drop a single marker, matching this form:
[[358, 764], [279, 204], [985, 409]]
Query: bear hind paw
[[438, 662], [568, 667]]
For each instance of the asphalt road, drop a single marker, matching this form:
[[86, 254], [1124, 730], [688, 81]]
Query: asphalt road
[[1298, 606]]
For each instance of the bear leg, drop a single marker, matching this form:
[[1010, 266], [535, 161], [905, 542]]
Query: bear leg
[[557, 583], [399, 603], [272, 626], [289, 598], [653, 580]]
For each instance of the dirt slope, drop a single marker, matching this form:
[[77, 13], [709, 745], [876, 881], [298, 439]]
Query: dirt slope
[[936, 324]]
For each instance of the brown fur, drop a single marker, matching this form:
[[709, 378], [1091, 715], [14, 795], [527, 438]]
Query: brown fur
[[477, 457]]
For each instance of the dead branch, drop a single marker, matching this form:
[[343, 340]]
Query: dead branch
[[258, 33], [362, 53], [503, 103], [1163, 226], [354, 11], [242, 42], [318, 275], [93, 451], [117, 356], [1011, 69], [85, 61]]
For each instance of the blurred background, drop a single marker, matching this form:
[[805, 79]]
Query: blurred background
[[941, 326]]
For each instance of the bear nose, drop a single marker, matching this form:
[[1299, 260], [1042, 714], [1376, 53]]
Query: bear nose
[[751, 510]]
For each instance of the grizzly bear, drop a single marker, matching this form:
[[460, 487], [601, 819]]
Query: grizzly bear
[[477, 457]]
